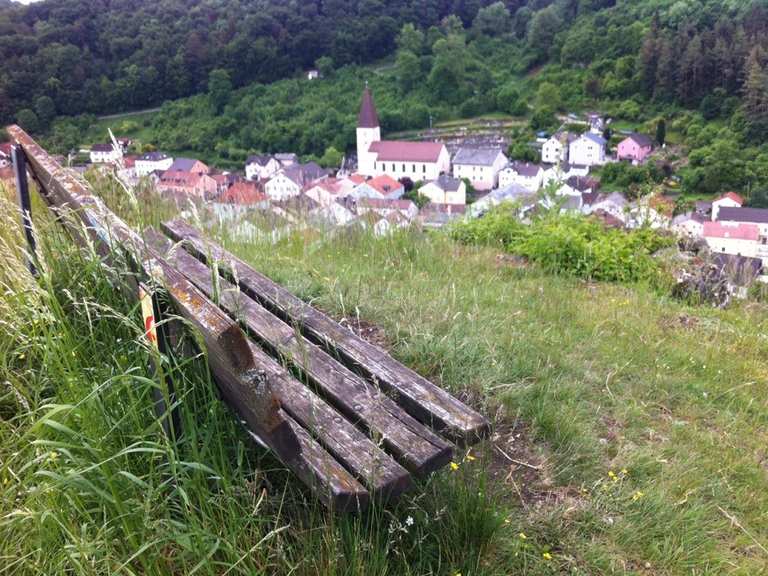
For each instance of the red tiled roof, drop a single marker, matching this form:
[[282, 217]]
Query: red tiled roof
[[402, 151], [740, 232], [732, 196], [384, 184], [384, 203], [356, 178], [179, 178], [5, 149], [243, 193]]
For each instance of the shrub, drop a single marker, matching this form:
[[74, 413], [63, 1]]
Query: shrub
[[569, 244]]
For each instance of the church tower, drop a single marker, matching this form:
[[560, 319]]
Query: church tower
[[368, 131]]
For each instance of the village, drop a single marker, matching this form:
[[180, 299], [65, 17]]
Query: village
[[392, 184]]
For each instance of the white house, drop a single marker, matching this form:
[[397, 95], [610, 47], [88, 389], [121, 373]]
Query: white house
[[587, 150], [283, 185], [313, 74], [526, 174], [418, 161], [104, 153], [445, 190], [151, 162], [386, 206], [614, 204], [555, 150], [727, 200], [739, 239], [261, 166], [690, 224], [481, 166], [511, 193]]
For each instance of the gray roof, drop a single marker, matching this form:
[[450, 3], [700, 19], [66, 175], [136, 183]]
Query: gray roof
[[695, 216], [752, 215], [612, 198], [448, 183], [595, 138], [260, 159], [284, 157], [183, 164], [527, 169], [312, 171], [512, 191], [154, 156], [476, 156], [571, 203], [641, 139], [101, 148]]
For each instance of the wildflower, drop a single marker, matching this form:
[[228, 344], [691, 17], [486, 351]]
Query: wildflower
[[522, 536], [507, 520], [469, 457], [409, 521], [624, 471], [547, 556], [454, 466], [637, 495], [53, 456], [612, 475], [21, 355]]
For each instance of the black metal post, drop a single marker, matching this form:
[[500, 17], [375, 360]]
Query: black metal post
[[25, 203]]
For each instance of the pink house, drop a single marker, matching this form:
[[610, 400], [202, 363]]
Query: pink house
[[635, 147]]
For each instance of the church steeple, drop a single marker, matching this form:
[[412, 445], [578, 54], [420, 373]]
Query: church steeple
[[367, 117]]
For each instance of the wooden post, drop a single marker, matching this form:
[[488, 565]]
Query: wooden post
[[158, 338], [25, 204]]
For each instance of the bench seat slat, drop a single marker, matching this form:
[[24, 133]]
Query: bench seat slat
[[413, 445], [424, 400]]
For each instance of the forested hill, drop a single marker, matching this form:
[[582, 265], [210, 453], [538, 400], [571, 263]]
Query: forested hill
[[103, 56]]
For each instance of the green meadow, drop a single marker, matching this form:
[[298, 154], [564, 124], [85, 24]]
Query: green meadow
[[629, 429]]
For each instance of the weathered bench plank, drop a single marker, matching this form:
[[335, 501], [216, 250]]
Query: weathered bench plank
[[421, 398], [415, 446]]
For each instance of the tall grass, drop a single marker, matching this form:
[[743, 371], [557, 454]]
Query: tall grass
[[90, 484], [641, 423]]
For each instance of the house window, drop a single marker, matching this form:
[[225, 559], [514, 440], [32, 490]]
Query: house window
[[414, 168], [423, 168], [393, 166], [403, 168]]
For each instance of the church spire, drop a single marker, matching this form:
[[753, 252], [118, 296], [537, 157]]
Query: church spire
[[367, 117]]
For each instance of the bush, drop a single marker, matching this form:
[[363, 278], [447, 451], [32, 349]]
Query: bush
[[569, 244]]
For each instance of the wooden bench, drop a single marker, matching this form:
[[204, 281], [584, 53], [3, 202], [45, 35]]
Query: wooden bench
[[348, 419]]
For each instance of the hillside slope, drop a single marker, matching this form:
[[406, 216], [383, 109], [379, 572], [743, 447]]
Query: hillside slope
[[630, 430]]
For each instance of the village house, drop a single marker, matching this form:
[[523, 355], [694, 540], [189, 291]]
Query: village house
[[152, 162], [386, 206], [104, 153], [511, 193], [244, 194], [261, 167], [727, 200], [614, 204], [445, 190], [739, 239], [340, 212], [186, 185], [481, 166], [588, 150], [527, 174], [690, 224], [438, 215], [418, 161], [596, 122], [313, 74], [635, 148], [327, 190], [191, 165], [383, 186], [555, 149], [285, 184]]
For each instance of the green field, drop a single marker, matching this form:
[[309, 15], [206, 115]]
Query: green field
[[629, 429]]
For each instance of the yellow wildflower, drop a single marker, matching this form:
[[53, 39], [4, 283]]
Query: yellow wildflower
[[454, 466], [611, 474], [547, 556], [624, 471], [53, 456], [523, 536], [470, 457], [637, 495]]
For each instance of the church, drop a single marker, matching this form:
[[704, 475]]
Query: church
[[419, 161]]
